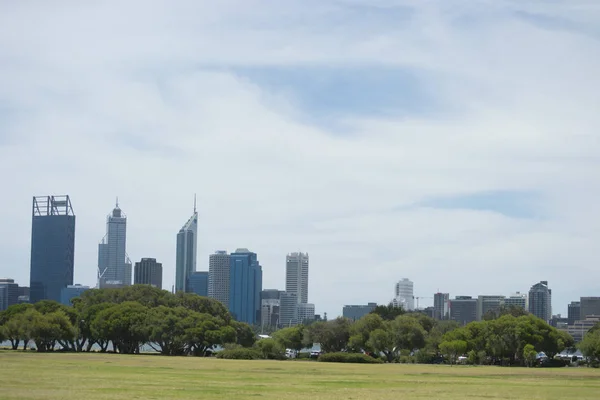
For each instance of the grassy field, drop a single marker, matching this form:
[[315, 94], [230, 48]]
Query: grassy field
[[111, 376]]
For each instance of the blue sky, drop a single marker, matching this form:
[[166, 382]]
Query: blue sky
[[429, 140]]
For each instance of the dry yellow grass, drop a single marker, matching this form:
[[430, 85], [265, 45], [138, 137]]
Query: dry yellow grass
[[111, 376]]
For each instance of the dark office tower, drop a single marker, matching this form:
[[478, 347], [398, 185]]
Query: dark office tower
[[52, 247], [148, 272], [574, 312]]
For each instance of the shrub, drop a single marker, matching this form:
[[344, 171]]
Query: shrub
[[270, 349], [239, 354], [348, 358]]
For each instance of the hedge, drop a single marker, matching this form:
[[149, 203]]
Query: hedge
[[239, 354], [349, 358]]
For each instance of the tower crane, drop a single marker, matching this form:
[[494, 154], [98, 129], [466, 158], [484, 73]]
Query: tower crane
[[420, 297]]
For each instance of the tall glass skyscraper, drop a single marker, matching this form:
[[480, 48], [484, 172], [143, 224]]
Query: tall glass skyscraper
[[187, 242], [219, 267], [245, 281], [52, 247], [114, 266]]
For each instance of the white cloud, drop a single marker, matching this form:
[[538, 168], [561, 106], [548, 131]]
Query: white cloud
[[143, 101]]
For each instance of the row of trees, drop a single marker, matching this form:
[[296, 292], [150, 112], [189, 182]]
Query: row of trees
[[123, 320], [399, 336], [182, 324]]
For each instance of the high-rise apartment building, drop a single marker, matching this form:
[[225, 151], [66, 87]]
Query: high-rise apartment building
[[198, 283], [357, 311], [574, 312], [219, 266], [148, 272], [52, 247], [441, 306], [245, 282], [114, 266], [540, 301], [187, 245], [463, 309], [404, 295], [296, 275], [288, 310], [589, 307], [9, 293]]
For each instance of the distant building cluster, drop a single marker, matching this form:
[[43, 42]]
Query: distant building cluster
[[582, 315], [233, 279]]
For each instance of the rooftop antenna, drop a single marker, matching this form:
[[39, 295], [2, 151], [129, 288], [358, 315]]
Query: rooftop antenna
[[194, 203], [117, 201]]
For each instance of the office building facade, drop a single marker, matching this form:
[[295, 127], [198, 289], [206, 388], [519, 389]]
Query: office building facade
[[574, 312], [9, 293], [187, 246], [198, 283], [70, 292], [296, 275], [114, 266], [463, 309], [52, 247], [148, 272], [589, 307], [404, 294], [269, 312], [288, 310], [356, 311], [540, 301], [219, 266], [441, 306], [306, 313], [486, 304], [517, 300], [245, 277]]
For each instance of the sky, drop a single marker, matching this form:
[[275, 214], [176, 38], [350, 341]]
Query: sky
[[454, 143]]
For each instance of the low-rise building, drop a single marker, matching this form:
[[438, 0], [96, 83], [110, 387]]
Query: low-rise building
[[356, 312], [67, 294]]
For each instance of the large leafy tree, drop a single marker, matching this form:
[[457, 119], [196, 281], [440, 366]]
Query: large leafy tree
[[14, 325], [453, 349], [388, 312], [290, 338], [408, 333], [333, 336], [590, 346], [126, 325]]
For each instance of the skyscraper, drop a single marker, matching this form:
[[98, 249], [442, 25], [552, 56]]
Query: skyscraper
[[148, 272], [540, 301], [245, 281], [187, 242], [288, 309], [441, 306], [404, 295], [114, 266], [52, 247], [219, 267], [296, 276]]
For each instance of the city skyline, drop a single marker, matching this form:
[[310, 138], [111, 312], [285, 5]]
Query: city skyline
[[452, 143]]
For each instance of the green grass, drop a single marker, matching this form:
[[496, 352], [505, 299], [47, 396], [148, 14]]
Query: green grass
[[27, 375]]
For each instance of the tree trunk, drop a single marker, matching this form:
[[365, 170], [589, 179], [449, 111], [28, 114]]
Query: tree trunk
[[15, 343]]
